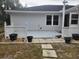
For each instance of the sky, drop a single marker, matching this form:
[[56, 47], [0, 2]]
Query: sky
[[30, 3]]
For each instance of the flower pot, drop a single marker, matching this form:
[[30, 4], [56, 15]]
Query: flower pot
[[13, 36], [75, 36], [58, 36], [67, 39], [29, 38]]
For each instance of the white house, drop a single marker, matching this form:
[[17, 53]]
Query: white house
[[42, 21]]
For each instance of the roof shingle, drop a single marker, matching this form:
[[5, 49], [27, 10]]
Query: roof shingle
[[45, 8]]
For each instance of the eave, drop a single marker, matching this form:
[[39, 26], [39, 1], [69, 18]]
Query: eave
[[16, 11]]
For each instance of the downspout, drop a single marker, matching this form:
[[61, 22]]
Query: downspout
[[5, 29], [63, 18]]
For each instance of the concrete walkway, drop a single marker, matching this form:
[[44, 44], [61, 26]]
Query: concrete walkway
[[46, 46], [41, 41], [48, 52], [36, 41], [12, 42], [47, 41], [74, 41]]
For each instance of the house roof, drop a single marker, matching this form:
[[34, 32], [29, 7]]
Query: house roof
[[44, 8], [40, 9], [76, 9]]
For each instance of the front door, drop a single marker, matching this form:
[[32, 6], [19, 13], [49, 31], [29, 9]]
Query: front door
[[66, 22]]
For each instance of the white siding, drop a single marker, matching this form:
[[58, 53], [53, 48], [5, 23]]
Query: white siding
[[22, 22], [67, 32]]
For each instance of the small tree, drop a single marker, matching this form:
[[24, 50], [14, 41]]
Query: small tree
[[1, 12], [6, 5]]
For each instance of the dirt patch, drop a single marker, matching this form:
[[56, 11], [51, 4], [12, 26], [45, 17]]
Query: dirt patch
[[67, 51], [1, 36], [21, 51]]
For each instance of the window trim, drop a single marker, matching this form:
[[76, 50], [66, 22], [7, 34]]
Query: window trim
[[58, 19], [74, 19], [46, 19], [53, 19]]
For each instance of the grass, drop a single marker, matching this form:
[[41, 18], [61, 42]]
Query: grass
[[21, 51], [34, 51], [67, 51], [1, 29], [1, 32], [8, 40]]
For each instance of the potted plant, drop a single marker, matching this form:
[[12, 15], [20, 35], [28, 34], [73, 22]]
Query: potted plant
[[29, 38], [67, 39], [13, 36]]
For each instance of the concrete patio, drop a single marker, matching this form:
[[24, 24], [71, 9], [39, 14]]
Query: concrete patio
[[43, 34], [46, 41]]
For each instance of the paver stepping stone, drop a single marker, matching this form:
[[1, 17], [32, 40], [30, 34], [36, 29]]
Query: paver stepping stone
[[47, 46], [47, 58], [58, 41], [45, 40], [35, 41], [49, 53]]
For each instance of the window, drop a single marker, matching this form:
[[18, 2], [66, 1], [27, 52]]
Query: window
[[49, 20], [8, 22], [55, 20], [74, 19]]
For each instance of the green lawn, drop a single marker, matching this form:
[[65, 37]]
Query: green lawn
[[21, 51]]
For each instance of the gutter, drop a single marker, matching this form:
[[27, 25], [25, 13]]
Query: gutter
[[15, 11]]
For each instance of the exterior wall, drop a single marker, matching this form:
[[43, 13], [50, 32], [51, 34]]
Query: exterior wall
[[74, 28], [21, 23], [68, 31]]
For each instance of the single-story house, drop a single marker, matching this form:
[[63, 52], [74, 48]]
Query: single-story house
[[43, 21]]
